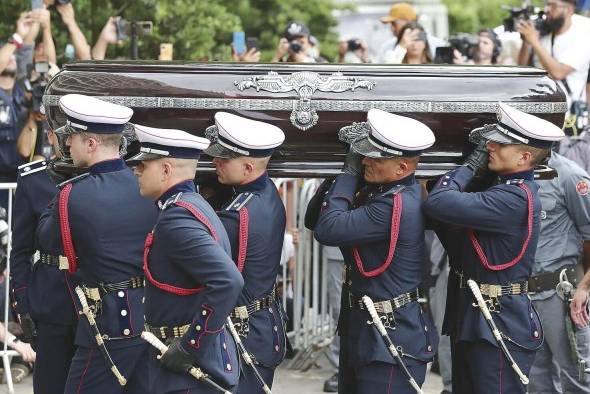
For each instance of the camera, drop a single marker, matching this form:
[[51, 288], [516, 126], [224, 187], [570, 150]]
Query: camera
[[36, 82], [295, 47], [526, 13], [464, 43], [353, 44], [126, 28]]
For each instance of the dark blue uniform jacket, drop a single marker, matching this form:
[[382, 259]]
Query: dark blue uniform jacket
[[184, 254], [255, 223], [499, 218], [39, 289], [354, 223], [109, 221]]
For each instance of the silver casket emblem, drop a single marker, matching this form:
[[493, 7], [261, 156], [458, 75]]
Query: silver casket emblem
[[305, 83]]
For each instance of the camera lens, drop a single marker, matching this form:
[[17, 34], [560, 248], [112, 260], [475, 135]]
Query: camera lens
[[295, 47]]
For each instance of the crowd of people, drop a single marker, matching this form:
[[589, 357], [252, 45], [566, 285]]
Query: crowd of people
[[27, 62]]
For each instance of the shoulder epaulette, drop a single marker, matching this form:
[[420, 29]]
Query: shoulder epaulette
[[515, 181], [170, 201], [240, 201], [393, 191], [32, 167], [72, 180]]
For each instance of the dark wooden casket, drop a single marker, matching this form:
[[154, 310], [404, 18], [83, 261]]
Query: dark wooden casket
[[312, 103]]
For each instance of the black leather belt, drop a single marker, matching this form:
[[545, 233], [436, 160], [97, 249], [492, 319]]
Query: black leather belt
[[166, 332], [60, 262], [549, 281], [496, 290], [93, 293], [386, 306], [244, 311]]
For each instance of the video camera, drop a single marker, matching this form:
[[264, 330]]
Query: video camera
[[525, 13], [126, 28], [465, 43], [36, 83]]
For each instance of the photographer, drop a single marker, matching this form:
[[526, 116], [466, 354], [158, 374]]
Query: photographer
[[12, 99], [353, 51], [412, 47], [564, 52], [486, 52], [295, 45]]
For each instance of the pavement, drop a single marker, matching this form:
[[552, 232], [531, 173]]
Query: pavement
[[286, 381]]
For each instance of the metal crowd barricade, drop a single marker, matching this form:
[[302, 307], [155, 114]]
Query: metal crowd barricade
[[313, 327], [5, 352]]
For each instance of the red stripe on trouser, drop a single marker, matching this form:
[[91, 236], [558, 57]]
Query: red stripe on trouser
[[85, 370]]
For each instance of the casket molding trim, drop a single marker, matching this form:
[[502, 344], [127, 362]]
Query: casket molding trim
[[401, 106]]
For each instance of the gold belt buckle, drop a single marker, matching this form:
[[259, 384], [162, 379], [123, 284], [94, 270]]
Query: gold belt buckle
[[64, 264], [241, 312], [92, 293]]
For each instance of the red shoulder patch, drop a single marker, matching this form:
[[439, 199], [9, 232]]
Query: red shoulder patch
[[582, 188]]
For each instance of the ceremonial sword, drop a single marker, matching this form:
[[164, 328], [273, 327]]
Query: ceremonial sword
[[483, 307], [99, 341], [246, 356], [388, 343], [195, 372]]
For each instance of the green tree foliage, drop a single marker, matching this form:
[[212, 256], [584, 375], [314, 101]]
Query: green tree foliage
[[198, 29], [471, 15]]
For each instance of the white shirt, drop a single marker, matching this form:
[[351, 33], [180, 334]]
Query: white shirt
[[571, 48]]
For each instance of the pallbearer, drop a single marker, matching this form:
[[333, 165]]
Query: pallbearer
[[191, 282], [100, 219], [491, 238], [254, 218], [380, 231]]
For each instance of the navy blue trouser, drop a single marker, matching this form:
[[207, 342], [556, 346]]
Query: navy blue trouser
[[479, 367], [55, 348], [90, 373], [249, 383]]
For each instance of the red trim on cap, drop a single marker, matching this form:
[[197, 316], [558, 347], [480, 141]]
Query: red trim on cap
[[150, 240], [64, 226], [499, 267], [243, 238], [395, 222]]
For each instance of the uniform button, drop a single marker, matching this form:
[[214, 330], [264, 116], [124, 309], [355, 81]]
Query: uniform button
[[198, 328], [536, 334], [324, 204], [121, 294], [270, 310], [326, 192], [531, 315], [126, 331], [350, 283], [425, 328], [228, 367], [192, 341], [143, 300], [204, 313], [123, 312], [224, 346], [276, 348], [429, 348], [275, 328], [445, 183], [447, 177]]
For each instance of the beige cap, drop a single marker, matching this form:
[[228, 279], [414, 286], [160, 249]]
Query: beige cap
[[400, 11]]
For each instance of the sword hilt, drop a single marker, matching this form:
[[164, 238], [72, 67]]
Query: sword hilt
[[154, 341]]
